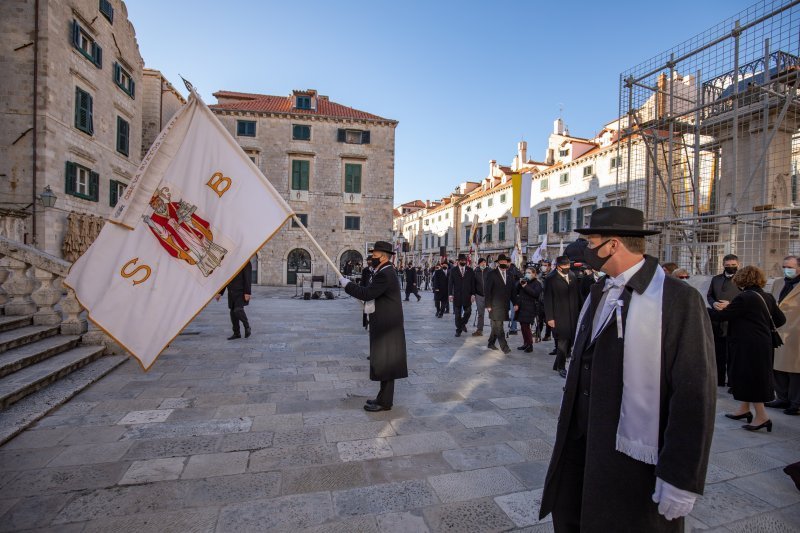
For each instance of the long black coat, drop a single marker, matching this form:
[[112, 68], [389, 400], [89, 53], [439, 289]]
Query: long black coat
[[562, 303], [528, 301], [498, 295], [750, 343], [617, 489], [240, 285], [439, 285], [411, 277], [387, 336], [721, 288], [480, 280], [461, 288]]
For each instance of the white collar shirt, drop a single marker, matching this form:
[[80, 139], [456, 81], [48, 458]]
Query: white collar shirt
[[612, 292]]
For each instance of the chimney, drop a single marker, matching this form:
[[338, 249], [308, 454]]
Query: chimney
[[515, 164], [522, 151], [558, 126], [551, 156], [492, 165]]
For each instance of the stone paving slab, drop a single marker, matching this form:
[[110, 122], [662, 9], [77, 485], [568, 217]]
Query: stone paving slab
[[269, 434]]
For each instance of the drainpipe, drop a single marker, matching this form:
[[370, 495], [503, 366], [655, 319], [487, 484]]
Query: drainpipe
[[35, 111]]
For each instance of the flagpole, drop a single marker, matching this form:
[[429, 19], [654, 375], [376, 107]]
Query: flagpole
[[313, 240]]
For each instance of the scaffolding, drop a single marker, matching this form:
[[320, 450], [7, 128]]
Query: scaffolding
[[710, 145]]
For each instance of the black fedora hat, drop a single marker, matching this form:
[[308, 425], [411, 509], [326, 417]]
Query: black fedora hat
[[382, 246], [617, 220], [462, 257]]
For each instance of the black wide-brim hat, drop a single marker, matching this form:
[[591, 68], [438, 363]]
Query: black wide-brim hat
[[617, 220], [382, 246], [462, 257]]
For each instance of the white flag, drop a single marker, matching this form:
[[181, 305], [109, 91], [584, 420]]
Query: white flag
[[541, 251], [561, 248], [197, 210]]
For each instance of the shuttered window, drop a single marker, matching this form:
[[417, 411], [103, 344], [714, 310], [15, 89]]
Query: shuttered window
[[352, 178], [86, 45], [246, 128], [107, 10], [300, 132], [353, 136], [300, 175], [501, 230], [83, 111], [352, 223], [124, 80], [81, 182], [115, 191], [123, 136]]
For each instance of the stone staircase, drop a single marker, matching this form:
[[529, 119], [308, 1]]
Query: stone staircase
[[48, 354]]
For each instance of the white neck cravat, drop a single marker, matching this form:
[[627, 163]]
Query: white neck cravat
[[503, 275], [612, 291]]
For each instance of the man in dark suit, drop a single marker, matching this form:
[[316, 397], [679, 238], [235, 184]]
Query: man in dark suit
[[366, 278], [500, 296], [439, 285], [562, 304], [461, 291], [481, 274], [239, 296], [411, 282], [720, 292], [637, 417], [387, 337]]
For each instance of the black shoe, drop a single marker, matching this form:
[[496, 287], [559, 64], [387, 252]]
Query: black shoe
[[419, 297], [546, 338], [506, 349], [372, 402], [554, 352], [777, 404], [458, 333], [529, 349], [767, 424], [512, 332], [563, 372], [246, 332], [374, 408], [793, 411], [492, 347], [747, 416], [235, 336], [523, 347]]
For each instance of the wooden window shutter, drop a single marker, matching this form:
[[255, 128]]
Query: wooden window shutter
[[342, 135], [76, 34], [568, 225], [112, 196], [365, 137], [70, 177], [357, 179], [97, 55], [94, 186], [296, 175], [133, 89], [304, 166], [88, 107]]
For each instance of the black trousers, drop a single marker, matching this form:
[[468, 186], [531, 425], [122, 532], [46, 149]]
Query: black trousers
[[562, 348], [569, 494], [238, 315], [386, 394], [411, 289], [462, 314], [498, 333], [721, 353], [548, 331], [439, 306], [787, 387]]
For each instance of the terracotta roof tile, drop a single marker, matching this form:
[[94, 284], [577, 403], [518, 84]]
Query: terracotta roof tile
[[266, 103]]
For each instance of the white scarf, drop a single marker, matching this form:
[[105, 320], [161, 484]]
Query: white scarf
[[639, 420], [637, 433]]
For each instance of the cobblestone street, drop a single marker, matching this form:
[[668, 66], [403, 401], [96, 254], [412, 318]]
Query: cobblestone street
[[268, 434]]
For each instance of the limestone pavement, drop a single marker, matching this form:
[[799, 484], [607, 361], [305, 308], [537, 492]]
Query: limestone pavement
[[268, 434]]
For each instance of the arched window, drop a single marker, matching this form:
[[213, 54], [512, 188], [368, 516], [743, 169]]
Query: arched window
[[298, 262], [354, 257]]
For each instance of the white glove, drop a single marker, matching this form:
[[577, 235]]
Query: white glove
[[343, 281], [673, 502]]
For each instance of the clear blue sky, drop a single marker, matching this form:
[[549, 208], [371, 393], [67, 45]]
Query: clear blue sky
[[466, 79]]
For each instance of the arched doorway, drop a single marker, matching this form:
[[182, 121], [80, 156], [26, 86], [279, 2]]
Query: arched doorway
[[298, 262], [350, 255]]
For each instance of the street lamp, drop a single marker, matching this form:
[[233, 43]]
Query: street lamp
[[48, 198]]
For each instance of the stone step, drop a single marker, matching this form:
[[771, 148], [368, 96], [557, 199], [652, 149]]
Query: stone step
[[16, 386], [28, 410], [13, 322], [23, 356], [25, 335]]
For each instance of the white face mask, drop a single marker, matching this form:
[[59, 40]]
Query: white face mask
[[789, 273]]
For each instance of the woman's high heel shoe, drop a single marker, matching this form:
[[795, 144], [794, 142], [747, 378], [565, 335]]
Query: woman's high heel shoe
[[747, 416], [767, 424]]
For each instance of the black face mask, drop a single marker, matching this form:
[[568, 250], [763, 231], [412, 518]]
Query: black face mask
[[462, 263], [374, 262], [731, 270], [502, 266], [594, 260]]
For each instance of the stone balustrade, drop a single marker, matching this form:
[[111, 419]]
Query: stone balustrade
[[32, 283]]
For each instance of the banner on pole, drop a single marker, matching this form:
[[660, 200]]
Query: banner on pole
[[521, 185]]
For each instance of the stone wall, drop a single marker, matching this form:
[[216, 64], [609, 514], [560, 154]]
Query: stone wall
[[160, 101], [273, 150]]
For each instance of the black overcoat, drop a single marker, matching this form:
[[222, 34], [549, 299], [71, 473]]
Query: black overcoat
[[617, 489], [562, 303], [461, 288], [411, 278], [387, 336], [439, 285], [528, 301], [480, 280], [750, 343], [721, 288], [240, 285], [498, 295]]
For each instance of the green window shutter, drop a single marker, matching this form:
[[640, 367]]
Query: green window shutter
[[94, 186], [116, 73], [352, 178], [568, 224], [300, 175], [304, 175], [97, 55], [365, 137], [83, 111], [76, 34], [296, 175], [89, 117], [112, 193], [70, 177], [133, 89], [556, 218], [501, 231], [357, 179], [579, 217], [341, 135]]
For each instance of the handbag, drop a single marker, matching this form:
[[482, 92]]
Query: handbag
[[777, 341]]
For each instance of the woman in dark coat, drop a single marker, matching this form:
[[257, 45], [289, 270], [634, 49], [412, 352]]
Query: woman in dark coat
[[387, 337], [439, 286], [750, 316], [529, 291]]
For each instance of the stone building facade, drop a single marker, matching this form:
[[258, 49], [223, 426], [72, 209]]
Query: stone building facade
[[88, 119], [333, 164], [160, 101]]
